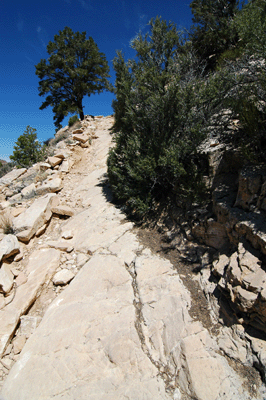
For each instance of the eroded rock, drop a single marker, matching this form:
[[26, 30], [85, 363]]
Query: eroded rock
[[6, 279], [63, 277], [9, 246], [38, 214]]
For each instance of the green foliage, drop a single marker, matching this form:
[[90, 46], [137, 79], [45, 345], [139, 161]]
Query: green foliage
[[213, 31], [177, 92], [158, 121], [251, 27], [5, 168], [27, 149], [72, 120], [75, 68]]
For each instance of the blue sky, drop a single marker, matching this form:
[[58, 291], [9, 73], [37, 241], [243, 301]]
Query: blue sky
[[27, 26]]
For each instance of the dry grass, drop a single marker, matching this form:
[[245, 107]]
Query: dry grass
[[6, 223]]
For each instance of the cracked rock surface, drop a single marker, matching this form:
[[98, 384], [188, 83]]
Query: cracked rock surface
[[121, 329]]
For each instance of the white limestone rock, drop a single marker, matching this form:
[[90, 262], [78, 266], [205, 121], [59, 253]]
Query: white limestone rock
[[49, 186], [9, 246], [29, 191], [19, 343], [63, 277], [12, 175], [82, 138], [37, 215], [63, 246], [6, 279], [63, 210], [53, 161]]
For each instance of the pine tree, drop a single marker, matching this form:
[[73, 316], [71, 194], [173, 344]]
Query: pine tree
[[75, 68], [27, 150], [213, 31]]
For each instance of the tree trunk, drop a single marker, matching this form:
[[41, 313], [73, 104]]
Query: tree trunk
[[81, 115], [80, 107]]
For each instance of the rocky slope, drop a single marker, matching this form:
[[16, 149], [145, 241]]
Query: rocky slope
[[89, 312]]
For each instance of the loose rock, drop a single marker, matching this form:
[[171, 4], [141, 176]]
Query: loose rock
[[63, 277]]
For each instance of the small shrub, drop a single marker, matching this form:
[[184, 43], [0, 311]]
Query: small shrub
[[6, 224], [72, 120], [6, 168], [58, 138]]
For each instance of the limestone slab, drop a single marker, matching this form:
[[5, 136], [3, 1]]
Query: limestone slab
[[50, 186], [63, 210], [36, 215], [80, 137], [6, 278], [101, 341], [12, 175], [63, 277], [9, 246], [53, 161], [39, 270]]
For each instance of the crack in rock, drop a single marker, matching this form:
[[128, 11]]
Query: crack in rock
[[163, 370]]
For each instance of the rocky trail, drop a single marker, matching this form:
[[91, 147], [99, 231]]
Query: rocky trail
[[94, 311]]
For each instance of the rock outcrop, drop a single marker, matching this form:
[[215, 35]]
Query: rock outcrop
[[102, 317]]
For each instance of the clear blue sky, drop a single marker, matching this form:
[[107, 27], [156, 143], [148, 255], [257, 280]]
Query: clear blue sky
[[26, 27]]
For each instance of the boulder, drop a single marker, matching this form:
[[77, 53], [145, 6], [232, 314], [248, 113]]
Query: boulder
[[6, 279], [216, 235], [63, 277], [53, 161], [65, 166], [50, 186], [29, 191], [9, 246], [38, 214], [244, 298], [80, 137], [12, 175], [220, 265], [62, 210], [77, 131], [44, 166]]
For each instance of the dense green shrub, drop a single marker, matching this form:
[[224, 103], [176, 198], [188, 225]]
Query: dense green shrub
[[213, 31], [27, 150], [5, 168], [72, 120], [173, 95], [158, 121]]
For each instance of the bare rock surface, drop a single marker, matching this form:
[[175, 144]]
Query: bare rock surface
[[63, 277], [6, 279], [121, 329], [50, 186], [9, 246], [102, 316], [35, 216], [40, 269], [12, 175]]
